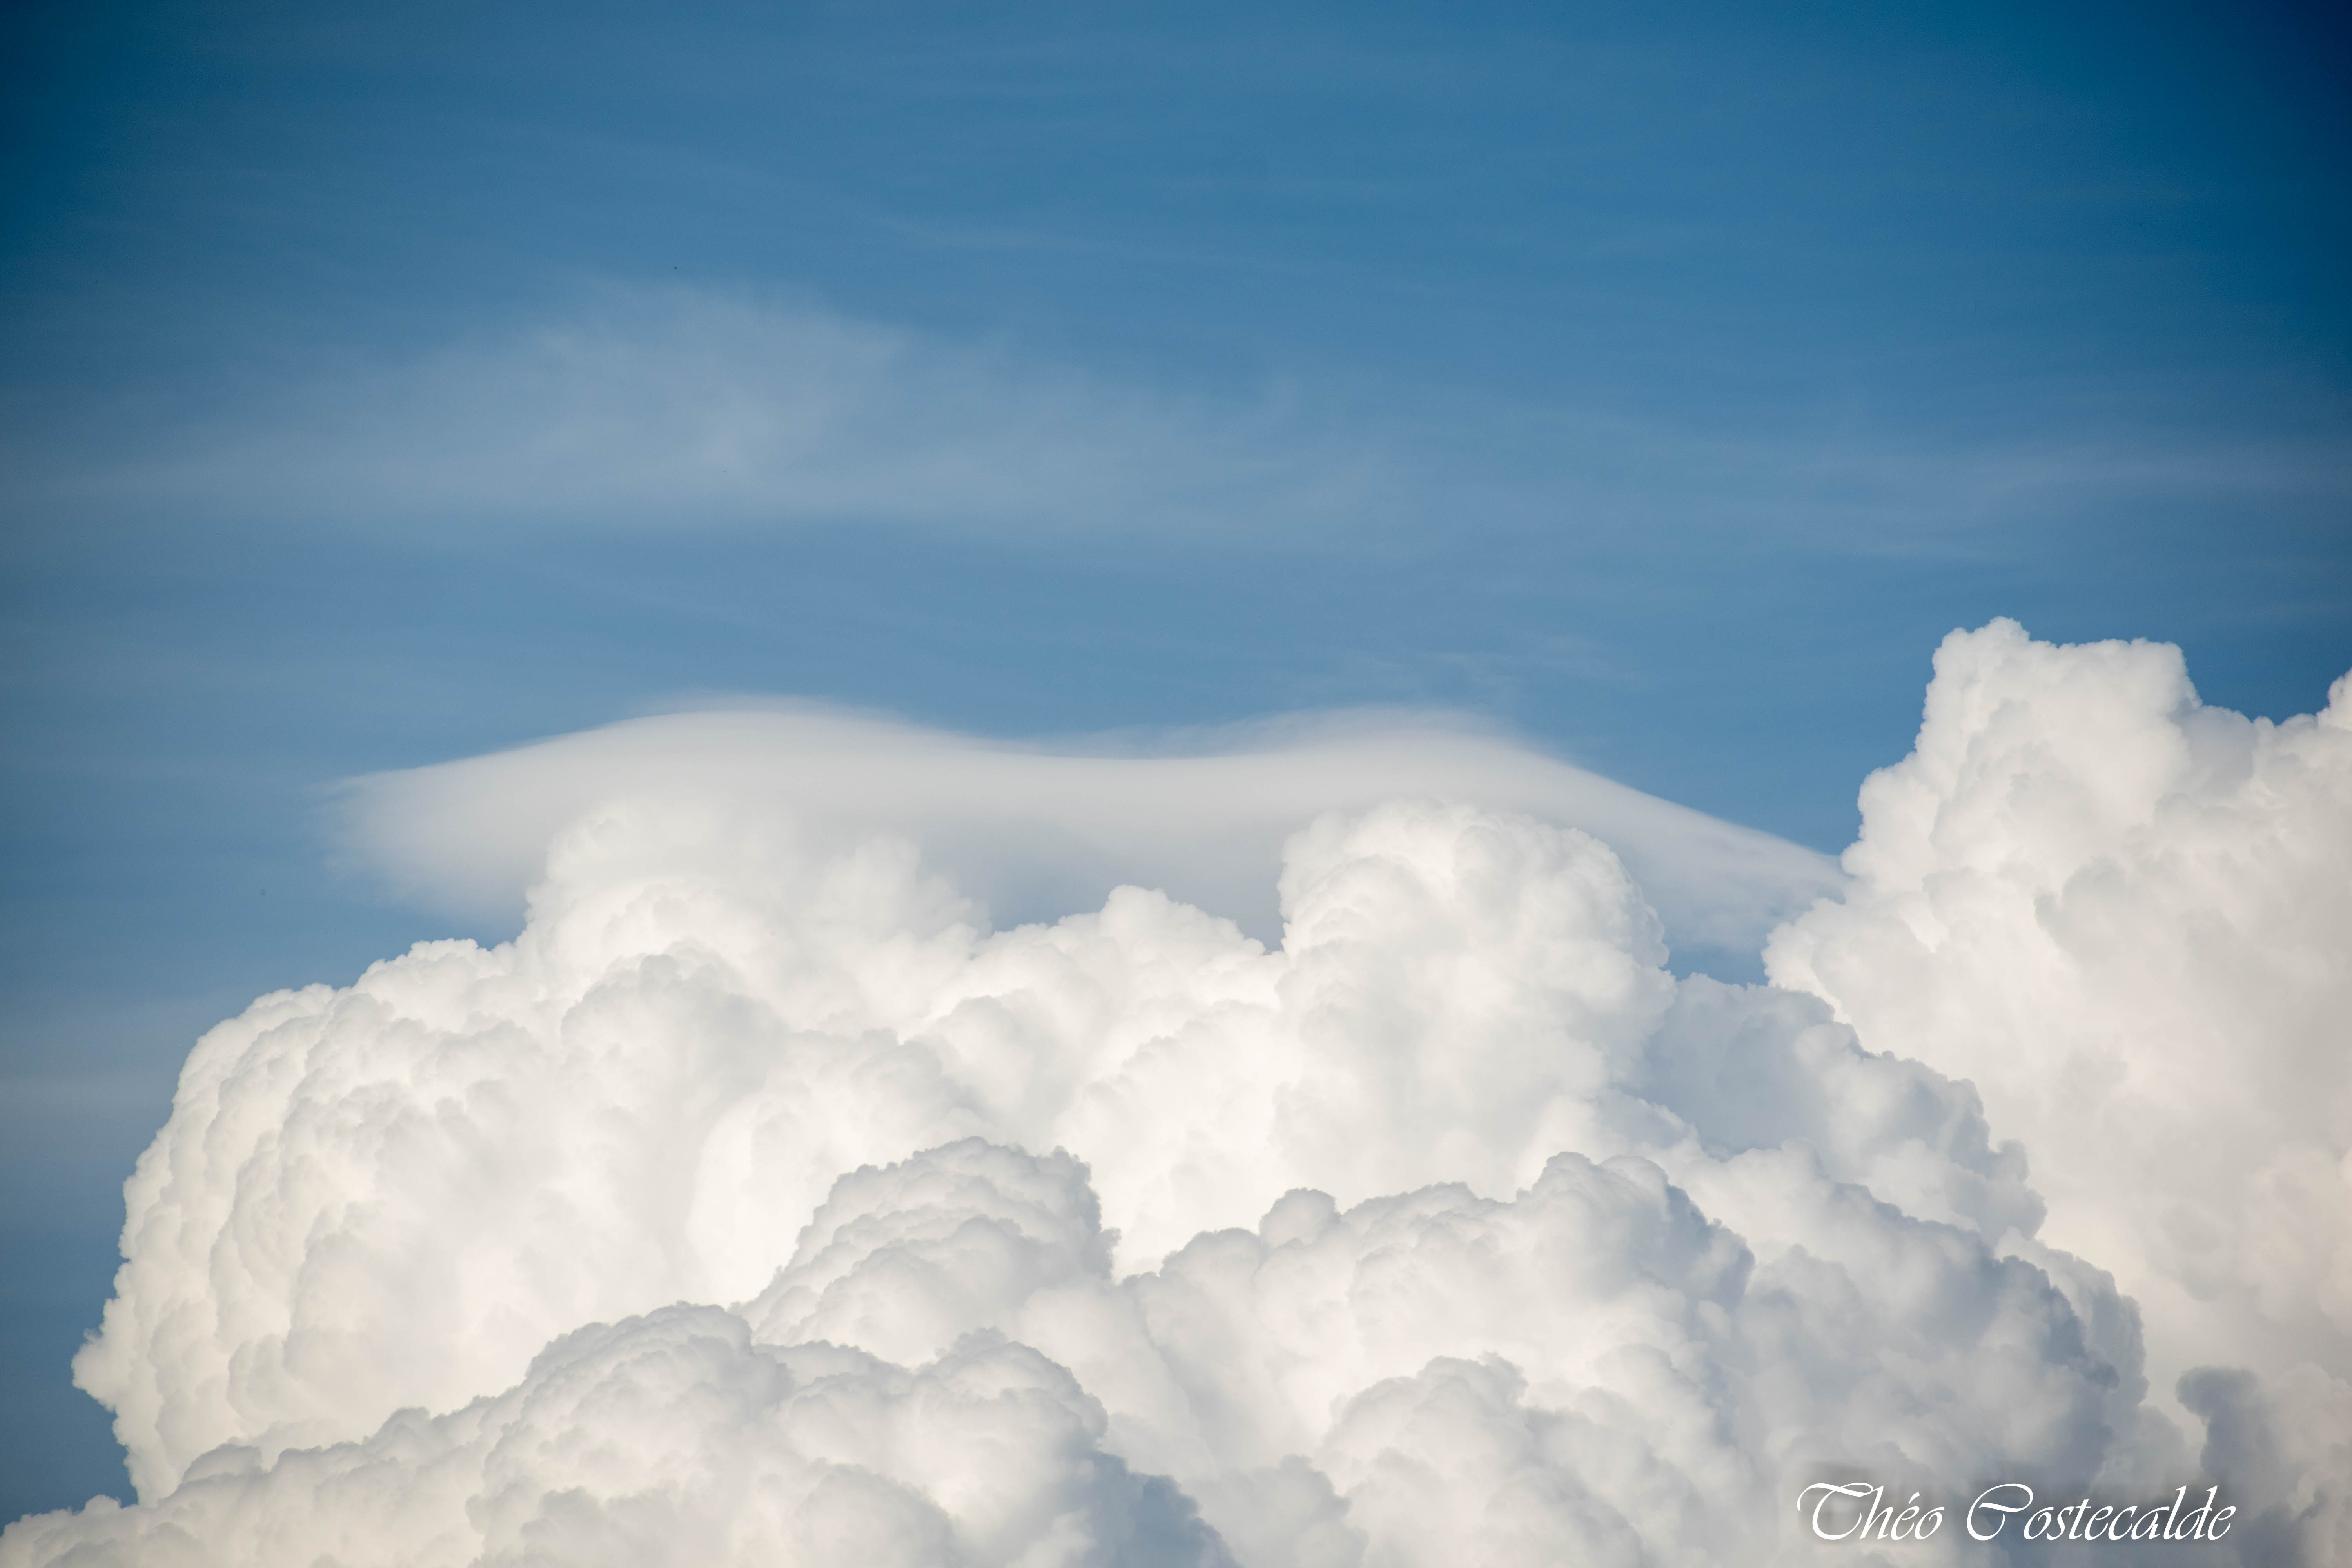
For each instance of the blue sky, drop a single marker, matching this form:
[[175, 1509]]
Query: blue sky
[[384, 386]]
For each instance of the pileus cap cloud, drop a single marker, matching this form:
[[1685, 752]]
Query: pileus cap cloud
[[1036, 832]]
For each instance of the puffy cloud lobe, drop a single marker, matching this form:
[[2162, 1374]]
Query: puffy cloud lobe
[[1597, 1315], [1586, 1368], [1754, 1069], [674, 1438], [1464, 1227], [1676, 1382], [2124, 917], [395, 1194]]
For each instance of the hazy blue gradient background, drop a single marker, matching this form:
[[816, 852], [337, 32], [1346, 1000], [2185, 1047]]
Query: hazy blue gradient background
[[1680, 379]]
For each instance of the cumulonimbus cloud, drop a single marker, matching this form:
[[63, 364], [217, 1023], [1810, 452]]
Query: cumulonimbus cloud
[[1451, 1226]]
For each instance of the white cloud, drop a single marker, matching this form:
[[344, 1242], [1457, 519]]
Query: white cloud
[[658, 408], [2125, 918], [638, 407], [1036, 832], [1463, 1230], [673, 1440]]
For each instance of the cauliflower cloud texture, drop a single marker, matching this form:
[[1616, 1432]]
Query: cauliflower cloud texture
[[760, 1203]]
